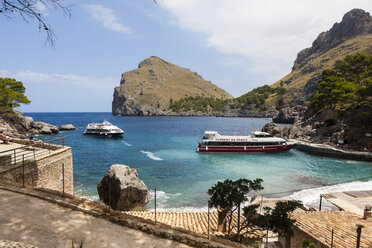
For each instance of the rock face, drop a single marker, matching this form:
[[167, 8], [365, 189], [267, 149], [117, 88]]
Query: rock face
[[19, 126], [122, 190], [352, 35], [66, 127], [149, 89], [355, 22], [288, 115]]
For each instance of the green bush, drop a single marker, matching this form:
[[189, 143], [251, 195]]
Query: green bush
[[347, 86], [11, 95]]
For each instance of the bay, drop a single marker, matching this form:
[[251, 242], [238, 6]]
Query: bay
[[163, 151]]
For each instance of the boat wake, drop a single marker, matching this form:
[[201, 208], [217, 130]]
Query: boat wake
[[126, 143], [311, 197], [151, 155]]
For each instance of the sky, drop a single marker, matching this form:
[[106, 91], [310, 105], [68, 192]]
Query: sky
[[236, 44]]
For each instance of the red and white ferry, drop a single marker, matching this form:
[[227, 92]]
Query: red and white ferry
[[259, 142]]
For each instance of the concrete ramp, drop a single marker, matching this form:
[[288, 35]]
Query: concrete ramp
[[352, 201]]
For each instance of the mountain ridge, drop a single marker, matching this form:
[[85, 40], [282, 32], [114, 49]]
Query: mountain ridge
[[149, 89], [139, 91]]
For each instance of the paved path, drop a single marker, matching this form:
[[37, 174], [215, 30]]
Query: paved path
[[33, 221]]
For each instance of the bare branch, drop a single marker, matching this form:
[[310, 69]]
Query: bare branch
[[30, 10]]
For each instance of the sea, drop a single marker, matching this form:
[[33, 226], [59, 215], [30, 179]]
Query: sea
[[163, 151]]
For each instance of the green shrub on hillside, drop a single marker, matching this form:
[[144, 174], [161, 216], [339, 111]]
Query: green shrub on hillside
[[197, 103], [257, 96], [347, 86]]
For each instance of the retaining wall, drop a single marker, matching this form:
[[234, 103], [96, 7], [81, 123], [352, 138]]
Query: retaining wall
[[50, 171]]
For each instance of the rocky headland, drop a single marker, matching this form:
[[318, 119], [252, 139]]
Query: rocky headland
[[149, 89], [20, 126]]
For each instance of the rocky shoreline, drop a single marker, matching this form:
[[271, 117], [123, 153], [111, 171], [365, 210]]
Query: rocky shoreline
[[20, 126]]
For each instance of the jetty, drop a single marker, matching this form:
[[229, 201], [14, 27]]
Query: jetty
[[330, 151]]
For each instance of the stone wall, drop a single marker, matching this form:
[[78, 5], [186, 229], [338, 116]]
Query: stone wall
[[328, 151], [49, 171], [300, 236]]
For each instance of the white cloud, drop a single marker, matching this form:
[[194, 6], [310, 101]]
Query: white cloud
[[42, 8], [266, 33], [77, 81], [107, 18]]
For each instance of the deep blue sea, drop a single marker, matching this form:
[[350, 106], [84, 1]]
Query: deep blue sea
[[163, 151]]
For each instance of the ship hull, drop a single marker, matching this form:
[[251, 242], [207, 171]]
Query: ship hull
[[242, 149], [104, 134]]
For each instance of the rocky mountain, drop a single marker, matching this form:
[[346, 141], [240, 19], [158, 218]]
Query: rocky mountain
[[354, 23], [345, 115], [158, 87], [352, 35], [149, 89]]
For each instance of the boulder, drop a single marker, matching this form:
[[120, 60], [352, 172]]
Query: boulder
[[28, 122], [122, 189], [44, 128], [66, 127]]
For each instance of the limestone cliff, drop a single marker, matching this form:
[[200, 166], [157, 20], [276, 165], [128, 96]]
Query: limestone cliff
[[352, 35], [149, 89]]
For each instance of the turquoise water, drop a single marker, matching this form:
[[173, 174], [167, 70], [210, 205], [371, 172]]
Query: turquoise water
[[162, 150]]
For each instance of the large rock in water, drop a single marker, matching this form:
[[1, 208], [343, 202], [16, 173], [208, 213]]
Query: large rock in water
[[122, 189], [66, 127]]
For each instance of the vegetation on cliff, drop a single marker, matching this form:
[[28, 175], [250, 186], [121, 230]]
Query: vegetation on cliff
[[253, 99], [12, 94], [198, 103], [256, 98], [347, 86]]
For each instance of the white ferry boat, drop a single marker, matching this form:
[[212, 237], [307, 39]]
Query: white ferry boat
[[259, 142], [103, 129]]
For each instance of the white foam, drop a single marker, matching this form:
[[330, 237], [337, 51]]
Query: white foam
[[162, 200], [183, 209], [311, 197], [126, 143], [151, 155], [94, 198]]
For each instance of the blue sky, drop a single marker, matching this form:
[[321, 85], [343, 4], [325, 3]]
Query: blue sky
[[236, 44]]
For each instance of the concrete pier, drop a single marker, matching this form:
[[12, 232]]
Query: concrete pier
[[330, 151]]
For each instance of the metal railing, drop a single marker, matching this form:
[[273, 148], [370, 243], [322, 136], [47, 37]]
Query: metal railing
[[30, 151], [53, 140]]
